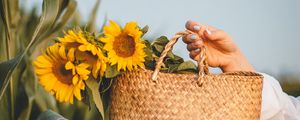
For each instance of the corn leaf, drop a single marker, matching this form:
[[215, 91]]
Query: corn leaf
[[70, 10], [50, 9], [92, 20], [5, 18], [30, 86], [50, 115]]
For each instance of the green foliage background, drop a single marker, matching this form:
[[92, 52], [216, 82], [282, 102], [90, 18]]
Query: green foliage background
[[23, 35]]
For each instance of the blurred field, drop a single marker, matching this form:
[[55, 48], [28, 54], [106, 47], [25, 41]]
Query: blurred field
[[24, 98], [290, 83]]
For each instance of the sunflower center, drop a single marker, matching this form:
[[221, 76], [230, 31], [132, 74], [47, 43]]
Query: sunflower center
[[124, 45], [62, 75]]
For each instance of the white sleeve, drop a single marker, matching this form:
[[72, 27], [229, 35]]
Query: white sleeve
[[277, 105]]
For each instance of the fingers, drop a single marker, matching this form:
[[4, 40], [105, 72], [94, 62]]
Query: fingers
[[190, 38], [192, 26], [194, 54], [195, 27], [215, 35], [193, 41], [198, 28], [205, 32], [195, 45], [201, 32]]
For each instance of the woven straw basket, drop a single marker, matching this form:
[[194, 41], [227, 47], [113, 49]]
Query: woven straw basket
[[145, 94]]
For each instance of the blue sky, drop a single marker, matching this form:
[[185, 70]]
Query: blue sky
[[267, 31]]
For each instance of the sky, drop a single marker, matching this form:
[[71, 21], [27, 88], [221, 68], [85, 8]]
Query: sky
[[267, 31]]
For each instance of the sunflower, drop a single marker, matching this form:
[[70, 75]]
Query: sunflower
[[87, 49], [59, 75], [98, 62], [125, 47]]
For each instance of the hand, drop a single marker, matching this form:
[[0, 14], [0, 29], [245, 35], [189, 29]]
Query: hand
[[221, 51]]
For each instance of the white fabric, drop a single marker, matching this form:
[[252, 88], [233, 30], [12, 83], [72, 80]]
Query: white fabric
[[277, 105]]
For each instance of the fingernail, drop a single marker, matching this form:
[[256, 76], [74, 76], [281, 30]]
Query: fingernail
[[208, 31], [197, 50], [196, 27], [193, 37]]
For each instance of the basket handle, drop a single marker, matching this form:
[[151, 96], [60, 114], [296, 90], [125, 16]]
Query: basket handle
[[202, 62]]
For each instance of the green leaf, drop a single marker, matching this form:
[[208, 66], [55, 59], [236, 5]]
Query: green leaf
[[6, 71], [91, 24], [50, 9], [13, 12], [104, 23], [50, 115], [49, 16], [4, 107], [4, 11], [70, 10], [145, 30], [57, 21], [163, 40], [93, 85], [172, 67], [111, 71], [148, 51], [171, 55], [86, 99], [187, 65], [30, 85], [158, 46], [44, 100]]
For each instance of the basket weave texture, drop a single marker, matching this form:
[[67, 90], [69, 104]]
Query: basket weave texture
[[226, 96], [232, 96]]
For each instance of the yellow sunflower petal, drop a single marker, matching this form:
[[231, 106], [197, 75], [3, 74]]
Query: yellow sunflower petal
[[69, 94], [94, 50], [62, 52], [77, 93], [130, 26], [64, 93], [42, 71], [103, 68], [83, 48], [113, 28], [70, 66], [71, 54], [42, 64], [107, 38], [82, 72], [83, 65], [81, 85], [53, 50], [42, 59], [75, 79], [48, 81]]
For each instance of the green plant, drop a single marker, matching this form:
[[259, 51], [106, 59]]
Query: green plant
[[22, 36]]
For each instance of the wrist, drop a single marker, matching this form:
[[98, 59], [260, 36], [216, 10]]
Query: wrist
[[238, 63]]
